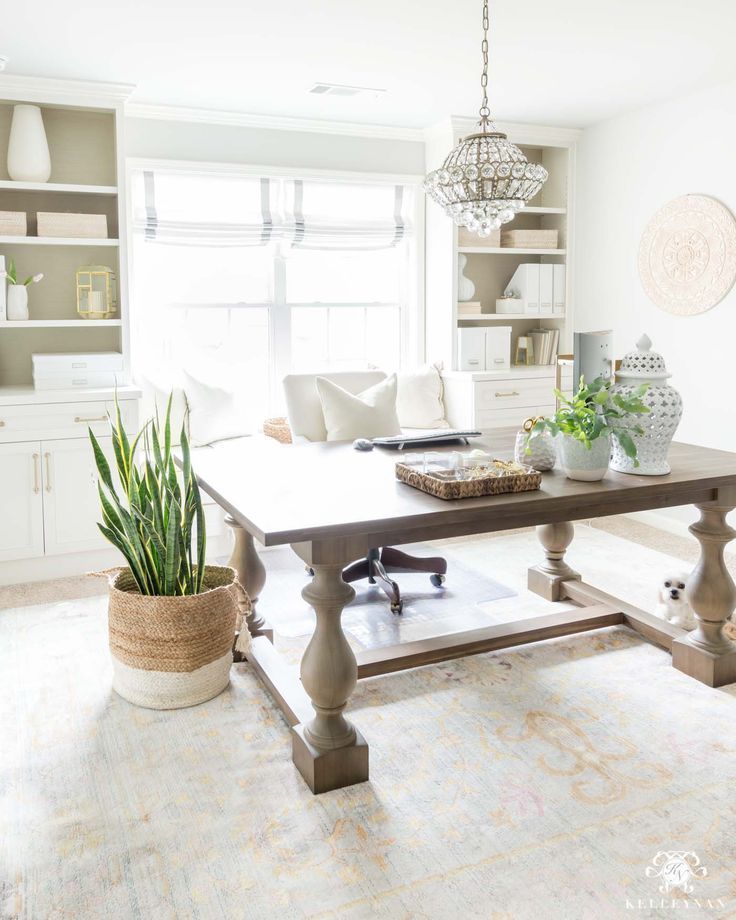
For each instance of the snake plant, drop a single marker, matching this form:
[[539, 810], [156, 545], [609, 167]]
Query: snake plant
[[150, 509]]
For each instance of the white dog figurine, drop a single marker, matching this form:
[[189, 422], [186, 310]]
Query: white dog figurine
[[673, 605]]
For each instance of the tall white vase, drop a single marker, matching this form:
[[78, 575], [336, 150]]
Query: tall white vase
[[17, 301], [28, 151], [465, 287]]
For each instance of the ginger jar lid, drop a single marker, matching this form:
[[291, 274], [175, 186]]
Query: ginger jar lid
[[643, 364]]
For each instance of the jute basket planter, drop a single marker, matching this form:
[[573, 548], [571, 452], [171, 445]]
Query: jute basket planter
[[172, 652]]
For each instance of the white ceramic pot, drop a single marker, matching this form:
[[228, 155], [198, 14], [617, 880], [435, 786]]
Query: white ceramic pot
[[465, 287], [28, 150], [17, 305], [580, 463]]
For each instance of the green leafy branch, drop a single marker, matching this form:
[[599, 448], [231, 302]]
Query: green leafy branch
[[150, 514], [12, 275], [594, 412]]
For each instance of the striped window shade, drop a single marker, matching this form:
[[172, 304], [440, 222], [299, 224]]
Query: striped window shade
[[200, 209], [344, 216], [212, 209]]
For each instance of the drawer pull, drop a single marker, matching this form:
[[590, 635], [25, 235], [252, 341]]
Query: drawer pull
[[95, 418], [47, 458], [507, 393], [36, 475]]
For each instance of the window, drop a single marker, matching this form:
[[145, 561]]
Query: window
[[241, 279]]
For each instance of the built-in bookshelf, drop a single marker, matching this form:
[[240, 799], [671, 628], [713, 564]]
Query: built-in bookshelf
[[84, 138], [491, 267]]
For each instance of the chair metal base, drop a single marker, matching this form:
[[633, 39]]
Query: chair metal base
[[380, 562]]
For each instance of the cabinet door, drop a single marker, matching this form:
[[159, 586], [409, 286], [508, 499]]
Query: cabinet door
[[71, 505], [21, 504]]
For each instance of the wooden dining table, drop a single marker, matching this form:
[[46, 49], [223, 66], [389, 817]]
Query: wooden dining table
[[332, 504]]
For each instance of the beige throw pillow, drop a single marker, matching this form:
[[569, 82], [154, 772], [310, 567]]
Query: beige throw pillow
[[370, 414]]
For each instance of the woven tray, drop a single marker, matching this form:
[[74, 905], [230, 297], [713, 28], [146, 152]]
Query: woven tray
[[513, 478]]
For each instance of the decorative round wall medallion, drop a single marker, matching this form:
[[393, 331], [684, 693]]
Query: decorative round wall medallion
[[687, 255]]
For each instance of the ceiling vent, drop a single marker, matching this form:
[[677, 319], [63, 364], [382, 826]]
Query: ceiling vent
[[340, 89]]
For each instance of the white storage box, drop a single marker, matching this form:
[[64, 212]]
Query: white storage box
[[471, 344], [56, 364], [13, 223], [76, 371], [73, 226], [84, 380], [498, 348], [509, 305]]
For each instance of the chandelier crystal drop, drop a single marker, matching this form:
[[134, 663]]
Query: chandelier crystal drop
[[485, 180]]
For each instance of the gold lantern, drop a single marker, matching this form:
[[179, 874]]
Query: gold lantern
[[96, 292]]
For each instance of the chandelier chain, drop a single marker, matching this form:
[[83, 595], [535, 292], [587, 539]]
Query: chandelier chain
[[485, 112]]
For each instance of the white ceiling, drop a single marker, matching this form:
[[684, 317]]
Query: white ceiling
[[555, 62]]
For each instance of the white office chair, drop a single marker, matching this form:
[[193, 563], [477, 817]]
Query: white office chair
[[307, 423]]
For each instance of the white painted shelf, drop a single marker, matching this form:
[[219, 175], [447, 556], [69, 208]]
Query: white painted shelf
[[9, 185], [58, 323], [487, 318], [55, 241], [542, 210], [510, 250]]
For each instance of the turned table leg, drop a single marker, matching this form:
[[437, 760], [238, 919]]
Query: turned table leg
[[251, 575], [328, 751], [706, 653], [546, 579]]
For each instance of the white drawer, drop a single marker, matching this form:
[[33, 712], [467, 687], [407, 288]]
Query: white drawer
[[63, 420], [510, 417], [497, 394]]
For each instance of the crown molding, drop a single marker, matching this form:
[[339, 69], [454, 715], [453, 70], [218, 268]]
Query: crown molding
[[522, 133], [63, 92], [271, 122]]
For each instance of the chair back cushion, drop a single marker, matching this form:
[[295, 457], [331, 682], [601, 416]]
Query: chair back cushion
[[303, 404], [369, 414]]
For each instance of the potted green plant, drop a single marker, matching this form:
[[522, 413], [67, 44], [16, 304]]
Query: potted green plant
[[17, 306], [172, 618], [585, 423]]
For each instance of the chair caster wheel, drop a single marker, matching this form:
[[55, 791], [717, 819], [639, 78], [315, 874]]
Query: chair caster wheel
[[397, 608], [309, 570], [437, 580]]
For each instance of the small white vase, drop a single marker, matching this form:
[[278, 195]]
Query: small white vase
[[17, 306], [28, 151], [580, 463], [465, 287]]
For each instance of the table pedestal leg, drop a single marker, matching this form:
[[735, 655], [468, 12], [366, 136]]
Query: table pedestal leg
[[706, 653], [546, 579], [328, 751], [251, 575]]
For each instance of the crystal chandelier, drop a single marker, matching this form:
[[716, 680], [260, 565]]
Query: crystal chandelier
[[486, 179]]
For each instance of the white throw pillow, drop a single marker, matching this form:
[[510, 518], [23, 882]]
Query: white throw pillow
[[419, 399], [213, 412], [370, 414]]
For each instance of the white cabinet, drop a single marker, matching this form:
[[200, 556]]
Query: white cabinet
[[21, 503], [502, 399], [70, 499], [49, 506]]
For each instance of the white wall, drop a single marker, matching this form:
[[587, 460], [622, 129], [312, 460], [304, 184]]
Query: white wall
[[628, 167], [178, 140]]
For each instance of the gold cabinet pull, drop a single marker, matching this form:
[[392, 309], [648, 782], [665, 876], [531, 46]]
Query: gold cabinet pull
[[47, 458], [36, 474], [95, 418], [507, 393]]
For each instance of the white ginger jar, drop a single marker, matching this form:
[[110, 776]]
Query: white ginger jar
[[665, 411]]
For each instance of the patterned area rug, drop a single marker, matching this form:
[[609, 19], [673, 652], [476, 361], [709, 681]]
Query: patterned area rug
[[539, 783]]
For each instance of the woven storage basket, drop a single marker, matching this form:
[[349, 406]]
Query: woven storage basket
[[72, 226], [530, 239], [13, 223], [171, 652], [277, 428]]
